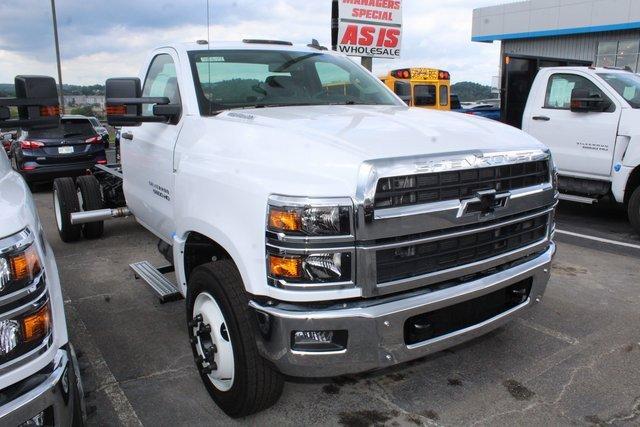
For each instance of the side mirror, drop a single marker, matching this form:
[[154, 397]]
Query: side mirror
[[124, 104], [37, 102], [581, 102]]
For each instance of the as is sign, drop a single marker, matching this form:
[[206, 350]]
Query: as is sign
[[368, 27]]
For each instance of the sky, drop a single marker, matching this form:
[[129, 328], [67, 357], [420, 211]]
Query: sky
[[101, 39]]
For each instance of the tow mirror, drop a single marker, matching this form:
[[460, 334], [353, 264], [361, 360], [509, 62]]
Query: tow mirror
[[37, 103], [124, 104], [583, 102]]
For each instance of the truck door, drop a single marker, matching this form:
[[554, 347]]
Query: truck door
[[148, 157], [581, 143]]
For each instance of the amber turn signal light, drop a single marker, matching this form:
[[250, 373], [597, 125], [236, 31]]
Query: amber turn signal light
[[283, 220], [25, 265], [116, 110], [289, 268], [51, 111], [37, 325]]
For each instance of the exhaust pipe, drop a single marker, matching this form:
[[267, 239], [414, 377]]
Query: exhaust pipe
[[99, 215]]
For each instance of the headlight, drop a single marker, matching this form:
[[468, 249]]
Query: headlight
[[312, 268], [25, 331], [310, 243], [19, 262], [301, 217]]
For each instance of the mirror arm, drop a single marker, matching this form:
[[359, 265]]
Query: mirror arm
[[29, 102], [17, 123], [138, 101]]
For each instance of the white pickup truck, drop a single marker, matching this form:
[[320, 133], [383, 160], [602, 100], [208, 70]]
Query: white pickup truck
[[317, 225], [590, 119], [39, 375]]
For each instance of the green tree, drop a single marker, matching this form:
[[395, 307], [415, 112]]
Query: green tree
[[85, 110]]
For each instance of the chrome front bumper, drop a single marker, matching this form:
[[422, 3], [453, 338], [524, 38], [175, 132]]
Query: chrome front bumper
[[376, 328], [56, 395]]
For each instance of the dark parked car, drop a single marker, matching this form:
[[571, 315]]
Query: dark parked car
[[68, 150], [490, 111], [102, 131]]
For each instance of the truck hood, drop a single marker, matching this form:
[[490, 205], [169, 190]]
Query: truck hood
[[16, 206], [374, 132]]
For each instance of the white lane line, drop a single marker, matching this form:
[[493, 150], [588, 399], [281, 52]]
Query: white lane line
[[105, 381], [552, 333], [599, 239]]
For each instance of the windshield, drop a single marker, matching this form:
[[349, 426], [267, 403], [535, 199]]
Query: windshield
[[70, 128], [626, 84], [228, 79]]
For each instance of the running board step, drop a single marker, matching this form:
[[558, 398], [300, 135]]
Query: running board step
[[578, 199], [166, 290]]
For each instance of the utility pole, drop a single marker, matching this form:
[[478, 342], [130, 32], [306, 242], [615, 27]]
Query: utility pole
[[367, 62], [55, 36]]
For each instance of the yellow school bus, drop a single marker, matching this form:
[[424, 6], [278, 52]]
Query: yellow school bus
[[421, 87]]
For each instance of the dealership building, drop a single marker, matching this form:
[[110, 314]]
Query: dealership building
[[547, 33]]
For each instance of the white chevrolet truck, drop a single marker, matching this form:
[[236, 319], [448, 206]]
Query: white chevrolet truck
[[39, 376], [317, 226], [590, 119]]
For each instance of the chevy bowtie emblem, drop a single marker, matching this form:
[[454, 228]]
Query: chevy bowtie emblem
[[485, 203]]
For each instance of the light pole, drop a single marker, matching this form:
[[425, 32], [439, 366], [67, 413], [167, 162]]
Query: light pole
[[55, 36]]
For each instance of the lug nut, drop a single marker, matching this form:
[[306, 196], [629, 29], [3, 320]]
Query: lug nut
[[204, 330], [193, 323]]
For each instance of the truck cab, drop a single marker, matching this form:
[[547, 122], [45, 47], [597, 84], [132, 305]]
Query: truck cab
[[589, 119], [316, 224], [39, 373]]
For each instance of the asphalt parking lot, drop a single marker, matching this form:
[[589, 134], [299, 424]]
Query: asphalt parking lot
[[572, 360]]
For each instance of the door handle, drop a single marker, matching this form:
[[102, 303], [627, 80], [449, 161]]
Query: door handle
[[127, 135], [541, 118]]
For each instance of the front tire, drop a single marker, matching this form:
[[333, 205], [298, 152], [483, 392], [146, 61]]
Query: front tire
[[222, 331], [634, 209], [65, 202]]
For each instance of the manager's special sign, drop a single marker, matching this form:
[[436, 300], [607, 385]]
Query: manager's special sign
[[370, 28]]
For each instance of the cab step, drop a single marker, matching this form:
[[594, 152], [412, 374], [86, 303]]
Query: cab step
[[154, 277]]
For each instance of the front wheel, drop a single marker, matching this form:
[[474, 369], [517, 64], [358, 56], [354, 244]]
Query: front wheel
[[222, 331], [634, 209]]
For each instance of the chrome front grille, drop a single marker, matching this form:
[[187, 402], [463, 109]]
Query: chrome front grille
[[450, 252], [430, 220], [457, 185]]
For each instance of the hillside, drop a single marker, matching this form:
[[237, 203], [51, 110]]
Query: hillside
[[7, 89], [470, 91]]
